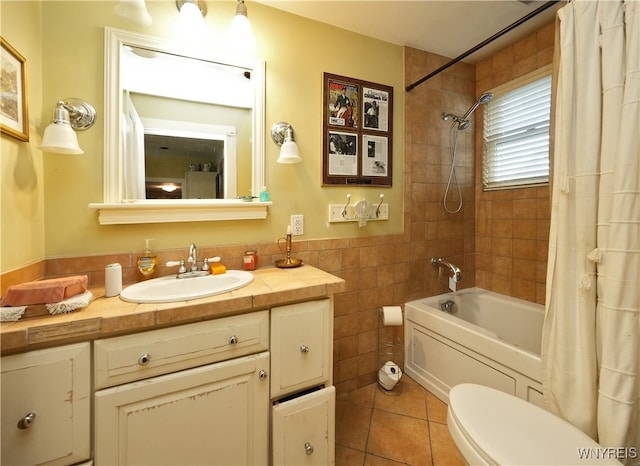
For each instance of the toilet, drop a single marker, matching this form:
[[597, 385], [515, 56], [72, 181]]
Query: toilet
[[491, 427]]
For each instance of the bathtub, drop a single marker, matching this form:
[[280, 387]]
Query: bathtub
[[488, 338]]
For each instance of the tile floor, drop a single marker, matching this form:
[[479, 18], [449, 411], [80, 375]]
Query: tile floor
[[376, 429]]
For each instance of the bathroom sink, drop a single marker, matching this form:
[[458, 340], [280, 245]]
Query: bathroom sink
[[170, 289]]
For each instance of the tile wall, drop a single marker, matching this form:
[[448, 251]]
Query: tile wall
[[512, 226], [493, 236]]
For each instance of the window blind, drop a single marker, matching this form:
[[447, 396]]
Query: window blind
[[516, 136]]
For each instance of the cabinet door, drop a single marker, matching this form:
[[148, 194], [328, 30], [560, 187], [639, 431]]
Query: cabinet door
[[215, 415], [304, 430], [301, 342], [46, 406]]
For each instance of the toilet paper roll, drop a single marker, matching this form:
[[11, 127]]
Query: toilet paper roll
[[389, 375], [112, 280], [392, 315]]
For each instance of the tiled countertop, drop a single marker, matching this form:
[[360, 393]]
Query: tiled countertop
[[112, 316]]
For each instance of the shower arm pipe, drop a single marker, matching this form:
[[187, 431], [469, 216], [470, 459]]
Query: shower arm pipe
[[535, 12]]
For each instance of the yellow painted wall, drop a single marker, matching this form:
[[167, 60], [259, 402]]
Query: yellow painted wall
[[21, 168], [297, 51]]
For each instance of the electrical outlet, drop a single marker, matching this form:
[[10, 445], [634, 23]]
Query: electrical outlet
[[297, 224]]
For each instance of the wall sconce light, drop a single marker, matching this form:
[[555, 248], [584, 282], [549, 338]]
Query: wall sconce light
[[282, 134], [191, 7], [69, 115], [133, 11], [190, 27]]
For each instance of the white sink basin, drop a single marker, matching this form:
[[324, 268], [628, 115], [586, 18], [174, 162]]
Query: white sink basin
[[170, 289]]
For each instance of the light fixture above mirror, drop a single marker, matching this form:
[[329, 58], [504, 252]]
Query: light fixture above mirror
[[241, 32], [189, 6], [134, 12]]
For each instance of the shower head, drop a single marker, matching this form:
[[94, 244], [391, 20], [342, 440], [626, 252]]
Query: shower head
[[484, 98], [463, 121], [463, 124]]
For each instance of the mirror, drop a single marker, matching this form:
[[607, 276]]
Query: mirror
[[181, 128]]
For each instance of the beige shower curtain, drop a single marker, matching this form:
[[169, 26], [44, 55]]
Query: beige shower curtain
[[591, 335]]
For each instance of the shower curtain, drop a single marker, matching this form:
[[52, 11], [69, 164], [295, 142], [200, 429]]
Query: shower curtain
[[133, 150], [591, 335]]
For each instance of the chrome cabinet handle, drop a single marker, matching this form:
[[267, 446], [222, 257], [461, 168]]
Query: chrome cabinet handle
[[304, 349], [26, 421], [308, 448], [262, 375], [233, 340], [144, 359]]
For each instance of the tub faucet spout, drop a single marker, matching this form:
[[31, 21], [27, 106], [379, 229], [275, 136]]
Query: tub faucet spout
[[454, 271]]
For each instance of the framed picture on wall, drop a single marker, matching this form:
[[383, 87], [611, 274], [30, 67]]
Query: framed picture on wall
[[342, 103], [375, 155], [358, 132], [343, 151], [14, 111], [375, 109]]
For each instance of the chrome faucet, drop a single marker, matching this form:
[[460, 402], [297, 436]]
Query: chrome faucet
[[193, 269], [455, 272], [193, 257]]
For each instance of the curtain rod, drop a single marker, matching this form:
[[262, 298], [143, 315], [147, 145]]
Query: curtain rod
[[483, 43]]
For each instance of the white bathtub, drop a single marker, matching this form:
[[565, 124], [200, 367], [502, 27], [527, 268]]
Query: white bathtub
[[490, 339]]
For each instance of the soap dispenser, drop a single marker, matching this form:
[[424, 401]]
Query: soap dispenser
[[147, 263]]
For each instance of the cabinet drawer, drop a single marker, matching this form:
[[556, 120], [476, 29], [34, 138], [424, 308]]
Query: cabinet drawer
[[53, 385], [300, 346], [304, 430], [133, 357]]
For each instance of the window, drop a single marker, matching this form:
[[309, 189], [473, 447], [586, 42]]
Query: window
[[516, 134]]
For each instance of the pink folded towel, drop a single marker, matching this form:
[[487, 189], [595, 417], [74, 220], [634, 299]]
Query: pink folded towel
[[48, 291]]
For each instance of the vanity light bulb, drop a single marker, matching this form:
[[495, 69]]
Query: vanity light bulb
[[134, 12], [241, 34], [190, 25]]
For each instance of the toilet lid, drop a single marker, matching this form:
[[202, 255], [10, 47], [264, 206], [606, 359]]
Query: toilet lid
[[510, 431]]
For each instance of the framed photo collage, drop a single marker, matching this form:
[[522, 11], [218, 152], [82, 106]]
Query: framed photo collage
[[358, 132]]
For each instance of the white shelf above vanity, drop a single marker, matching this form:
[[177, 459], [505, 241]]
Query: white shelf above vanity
[[188, 210]]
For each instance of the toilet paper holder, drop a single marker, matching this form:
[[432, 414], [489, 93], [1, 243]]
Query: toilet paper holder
[[390, 348]]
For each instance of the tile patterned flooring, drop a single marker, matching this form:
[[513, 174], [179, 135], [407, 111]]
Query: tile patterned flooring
[[376, 429]]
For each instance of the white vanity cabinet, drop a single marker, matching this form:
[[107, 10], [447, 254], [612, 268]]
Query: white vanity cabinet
[[303, 413], [210, 405], [46, 406]]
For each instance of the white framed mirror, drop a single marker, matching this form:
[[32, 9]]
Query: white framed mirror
[[184, 133]]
